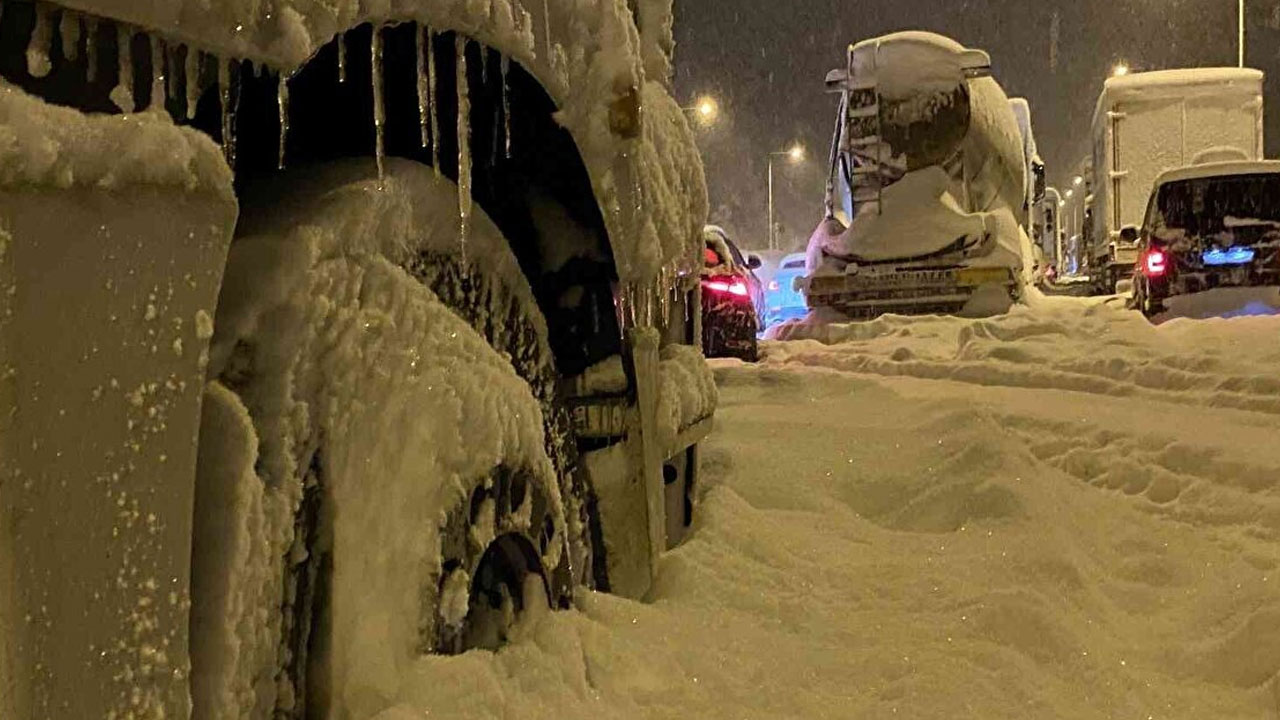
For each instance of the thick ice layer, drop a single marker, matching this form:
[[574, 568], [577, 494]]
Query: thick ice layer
[[587, 55], [43, 144]]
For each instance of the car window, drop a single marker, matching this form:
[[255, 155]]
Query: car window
[[793, 264], [737, 254]]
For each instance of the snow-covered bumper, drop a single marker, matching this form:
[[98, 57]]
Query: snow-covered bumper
[[113, 238], [907, 291]]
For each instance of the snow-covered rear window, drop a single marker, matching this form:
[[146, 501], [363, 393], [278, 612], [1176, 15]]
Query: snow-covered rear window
[[1204, 206]]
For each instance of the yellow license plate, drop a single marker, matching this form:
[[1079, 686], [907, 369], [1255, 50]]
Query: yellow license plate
[[972, 277]]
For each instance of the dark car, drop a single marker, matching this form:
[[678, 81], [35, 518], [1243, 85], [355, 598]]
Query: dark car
[[731, 298], [1208, 227]]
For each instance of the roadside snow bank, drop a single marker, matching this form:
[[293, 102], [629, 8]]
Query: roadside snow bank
[[873, 546], [51, 146]]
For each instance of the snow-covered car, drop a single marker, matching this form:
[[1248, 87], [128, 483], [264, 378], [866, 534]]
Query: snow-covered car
[[927, 185], [781, 298], [731, 299], [334, 334], [1206, 227]]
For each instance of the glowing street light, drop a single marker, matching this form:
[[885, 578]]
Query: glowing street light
[[1077, 181], [796, 156], [1069, 193], [1120, 70], [706, 111]]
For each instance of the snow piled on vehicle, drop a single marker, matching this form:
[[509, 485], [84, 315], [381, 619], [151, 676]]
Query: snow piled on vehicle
[[51, 146], [329, 344], [609, 86], [1014, 538]]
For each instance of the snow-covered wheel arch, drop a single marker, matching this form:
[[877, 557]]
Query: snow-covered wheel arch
[[606, 80], [368, 445]]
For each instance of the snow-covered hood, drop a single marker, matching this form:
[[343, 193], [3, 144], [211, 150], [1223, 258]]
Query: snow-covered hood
[[586, 53]]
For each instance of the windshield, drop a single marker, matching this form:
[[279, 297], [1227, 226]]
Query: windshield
[[1206, 206]]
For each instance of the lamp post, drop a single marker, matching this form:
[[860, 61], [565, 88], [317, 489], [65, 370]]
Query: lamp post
[[1241, 16], [796, 156]]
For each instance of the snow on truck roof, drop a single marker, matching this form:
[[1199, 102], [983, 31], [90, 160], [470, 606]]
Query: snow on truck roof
[[1180, 80], [1221, 169]]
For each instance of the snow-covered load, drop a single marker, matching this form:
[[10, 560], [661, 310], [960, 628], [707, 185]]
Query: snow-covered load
[[333, 335], [1147, 123], [928, 186]]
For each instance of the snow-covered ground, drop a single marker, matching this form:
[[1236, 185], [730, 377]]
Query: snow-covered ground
[[1065, 512]]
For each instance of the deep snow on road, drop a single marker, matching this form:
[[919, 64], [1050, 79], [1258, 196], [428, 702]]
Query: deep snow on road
[[1061, 513]]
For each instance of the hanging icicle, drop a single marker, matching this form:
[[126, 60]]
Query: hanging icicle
[[158, 83], [342, 57], [174, 73], [91, 48], [506, 105], [431, 108], [69, 29], [38, 62], [379, 107], [282, 103], [424, 85], [546, 27], [192, 81], [464, 145], [228, 97], [122, 95]]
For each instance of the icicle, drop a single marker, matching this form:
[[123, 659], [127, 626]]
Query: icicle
[[91, 48], [546, 26], [464, 145], [193, 81], [226, 97], [38, 63], [506, 105], [379, 108], [431, 108], [282, 102], [122, 95], [424, 85], [484, 68], [158, 83], [342, 57], [69, 29]]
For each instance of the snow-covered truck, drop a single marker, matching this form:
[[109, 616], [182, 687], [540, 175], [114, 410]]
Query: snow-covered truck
[[927, 191], [1148, 123], [333, 334]]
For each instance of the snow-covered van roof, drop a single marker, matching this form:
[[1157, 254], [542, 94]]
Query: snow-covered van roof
[[651, 189], [1220, 169], [1180, 81]]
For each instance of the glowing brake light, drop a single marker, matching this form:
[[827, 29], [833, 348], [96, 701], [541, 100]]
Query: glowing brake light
[[1156, 263], [738, 288]]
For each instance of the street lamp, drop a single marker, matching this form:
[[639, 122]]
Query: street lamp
[[1077, 181], [706, 110], [796, 155], [1120, 70], [1241, 16]]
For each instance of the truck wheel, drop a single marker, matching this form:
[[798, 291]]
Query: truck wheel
[[412, 443]]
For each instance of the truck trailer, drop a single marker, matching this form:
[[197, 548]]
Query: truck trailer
[[1148, 123]]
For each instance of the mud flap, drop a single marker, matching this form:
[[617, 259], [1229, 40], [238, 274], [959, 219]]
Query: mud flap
[[108, 303]]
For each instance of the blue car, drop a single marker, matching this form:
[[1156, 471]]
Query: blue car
[[783, 302]]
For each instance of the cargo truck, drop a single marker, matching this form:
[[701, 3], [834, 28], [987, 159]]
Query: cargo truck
[[1148, 123]]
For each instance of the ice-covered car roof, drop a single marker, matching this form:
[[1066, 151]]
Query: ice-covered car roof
[[587, 55], [1222, 169]]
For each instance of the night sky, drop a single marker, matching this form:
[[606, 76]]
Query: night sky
[[765, 60]]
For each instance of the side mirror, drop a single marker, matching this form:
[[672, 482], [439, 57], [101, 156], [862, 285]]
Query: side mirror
[[754, 262], [1129, 234]]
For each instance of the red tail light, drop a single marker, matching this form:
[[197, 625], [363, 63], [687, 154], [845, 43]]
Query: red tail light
[[1156, 263], [730, 286]]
